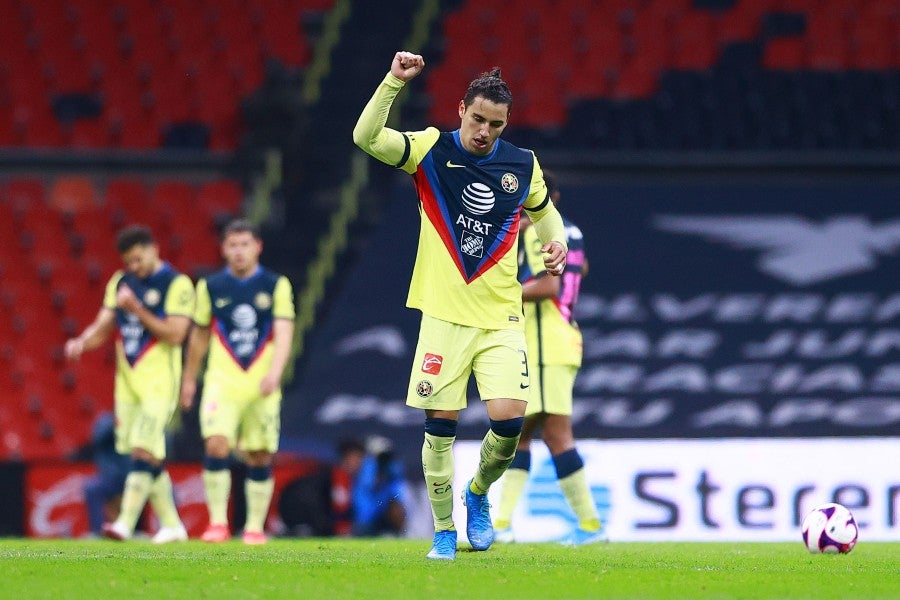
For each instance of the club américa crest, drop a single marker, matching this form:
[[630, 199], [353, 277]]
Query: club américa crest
[[509, 183], [424, 388]]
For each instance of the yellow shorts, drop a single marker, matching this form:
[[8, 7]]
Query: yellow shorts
[[248, 420], [551, 390], [447, 354], [144, 406]]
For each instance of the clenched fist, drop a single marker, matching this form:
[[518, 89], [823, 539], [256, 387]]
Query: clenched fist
[[407, 65]]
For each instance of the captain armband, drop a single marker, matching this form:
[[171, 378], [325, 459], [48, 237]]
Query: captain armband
[[540, 206], [406, 150]]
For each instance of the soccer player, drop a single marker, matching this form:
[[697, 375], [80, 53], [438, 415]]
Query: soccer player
[[554, 357], [245, 320], [150, 304], [472, 187]]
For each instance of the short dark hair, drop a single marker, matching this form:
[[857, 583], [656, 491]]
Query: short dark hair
[[490, 86], [133, 235], [241, 226]]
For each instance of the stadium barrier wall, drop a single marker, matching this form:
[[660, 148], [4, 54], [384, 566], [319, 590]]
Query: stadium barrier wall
[[53, 498]]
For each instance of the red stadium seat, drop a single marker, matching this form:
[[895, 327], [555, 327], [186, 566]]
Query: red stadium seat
[[785, 53]]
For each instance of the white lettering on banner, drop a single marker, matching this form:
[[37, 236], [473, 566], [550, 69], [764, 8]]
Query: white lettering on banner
[[710, 490], [793, 248], [749, 413], [66, 492], [386, 339], [747, 378], [739, 308], [346, 408]]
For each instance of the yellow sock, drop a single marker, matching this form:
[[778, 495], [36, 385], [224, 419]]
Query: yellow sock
[[218, 487], [437, 464], [163, 501], [259, 496], [496, 454], [134, 497], [575, 488], [513, 483]]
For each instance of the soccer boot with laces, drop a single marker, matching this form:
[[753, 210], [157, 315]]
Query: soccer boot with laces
[[479, 528], [444, 545]]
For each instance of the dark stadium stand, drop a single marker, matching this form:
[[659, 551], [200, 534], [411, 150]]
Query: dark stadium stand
[[121, 73], [676, 74]]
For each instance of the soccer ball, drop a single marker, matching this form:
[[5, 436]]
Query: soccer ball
[[830, 529]]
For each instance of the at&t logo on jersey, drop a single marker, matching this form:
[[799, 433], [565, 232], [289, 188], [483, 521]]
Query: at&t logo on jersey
[[478, 198], [432, 363], [244, 336]]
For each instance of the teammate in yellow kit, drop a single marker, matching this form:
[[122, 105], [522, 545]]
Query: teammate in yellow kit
[[149, 304], [245, 320], [554, 357]]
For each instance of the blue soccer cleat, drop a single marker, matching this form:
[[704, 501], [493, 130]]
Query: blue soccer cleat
[[479, 528], [444, 545]]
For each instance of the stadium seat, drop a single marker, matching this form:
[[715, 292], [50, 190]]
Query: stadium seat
[[72, 194]]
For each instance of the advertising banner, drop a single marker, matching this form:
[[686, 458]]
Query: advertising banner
[[55, 508], [707, 490]]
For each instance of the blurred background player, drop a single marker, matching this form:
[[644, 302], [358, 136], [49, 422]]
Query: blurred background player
[[472, 187], [554, 357], [150, 304], [251, 311]]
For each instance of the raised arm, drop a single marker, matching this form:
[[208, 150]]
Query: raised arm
[[386, 144]]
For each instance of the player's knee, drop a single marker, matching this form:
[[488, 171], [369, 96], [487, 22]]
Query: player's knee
[[259, 473], [508, 428], [217, 446], [440, 427], [215, 463]]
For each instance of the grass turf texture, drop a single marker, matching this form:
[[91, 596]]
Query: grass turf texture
[[395, 569]]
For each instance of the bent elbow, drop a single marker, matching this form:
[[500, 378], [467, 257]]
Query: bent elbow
[[361, 137]]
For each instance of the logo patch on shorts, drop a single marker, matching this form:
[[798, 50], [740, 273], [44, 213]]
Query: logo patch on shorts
[[424, 388], [432, 363]]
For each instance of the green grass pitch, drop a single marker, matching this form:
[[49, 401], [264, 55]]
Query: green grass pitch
[[331, 569]]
